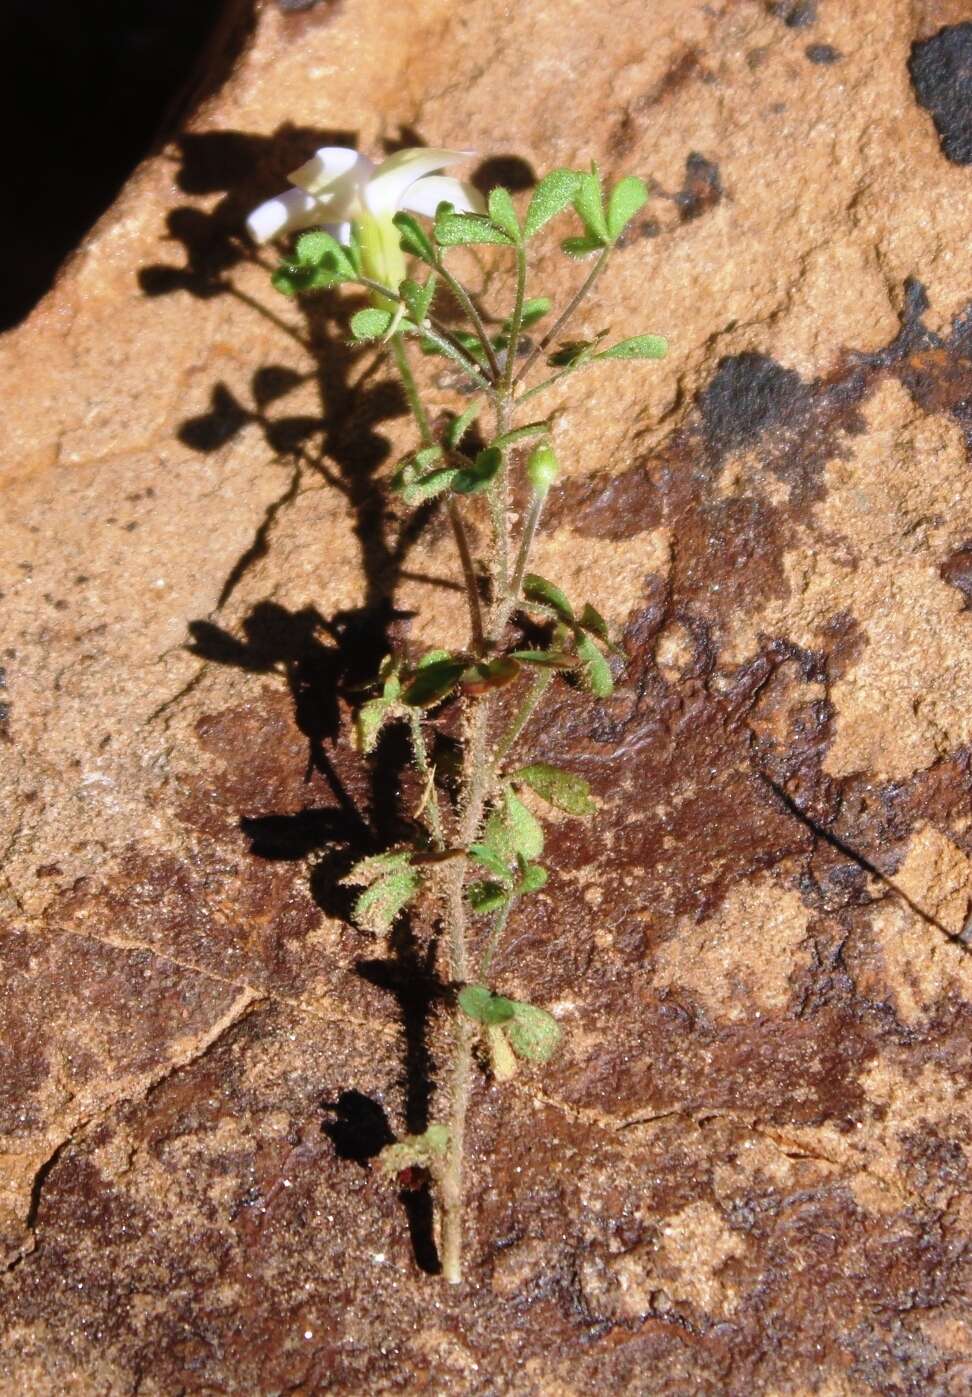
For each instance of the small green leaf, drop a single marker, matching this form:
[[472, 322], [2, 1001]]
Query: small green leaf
[[562, 789], [321, 249], [595, 671], [479, 1003], [432, 682], [490, 674], [512, 830], [293, 279], [462, 229], [503, 214], [427, 487], [545, 659], [483, 854], [459, 426], [592, 620], [627, 197], [529, 429], [532, 1032], [589, 203], [418, 298], [368, 722], [533, 310], [551, 196], [425, 1151], [637, 347], [572, 354], [579, 248], [538, 589], [414, 238], [370, 324], [480, 474], [487, 897], [433, 657], [533, 879], [366, 870], [379, 905]]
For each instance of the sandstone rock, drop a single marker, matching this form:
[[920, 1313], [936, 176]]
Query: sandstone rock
[[748, 1170]]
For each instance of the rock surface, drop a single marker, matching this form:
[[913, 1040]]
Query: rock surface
[[748, 1172]]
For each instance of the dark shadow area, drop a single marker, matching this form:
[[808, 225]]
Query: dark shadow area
[[88, 89], [359, 1131], [327, 661]]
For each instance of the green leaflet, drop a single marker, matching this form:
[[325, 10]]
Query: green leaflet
[[463, 229], [533, 1033], [551, 196], [538, 589], [379, 905], [432, 682], [511, 830], [503, 214], [562, 789], [414, 238], [596, 672], [637, 347], [627, 197], [481, 1004]]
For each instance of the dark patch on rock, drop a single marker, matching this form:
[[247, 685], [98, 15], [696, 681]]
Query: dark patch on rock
[[941, 74], [795, 14], [823, 53], [701, 189], [957, 571]]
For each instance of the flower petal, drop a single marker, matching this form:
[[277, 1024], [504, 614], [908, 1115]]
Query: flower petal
[[335, 175], [393, 176], [286, 213], [425, 195]]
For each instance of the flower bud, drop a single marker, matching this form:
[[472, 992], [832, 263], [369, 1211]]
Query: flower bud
[[542, 468]]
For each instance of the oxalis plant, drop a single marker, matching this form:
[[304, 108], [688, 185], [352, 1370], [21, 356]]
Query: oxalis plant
[[477, 844]]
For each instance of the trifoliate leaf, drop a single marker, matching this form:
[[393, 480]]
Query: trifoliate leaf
[[532, 1032], [459, 426], [321, 249], [418, 298], [562, 789], [532, 879], [482, 1005], [552, 194], [503, 214], [379, 905], [480, 474], [487, 896], [538, 589], [433, 682], [595, 671], [370, 324], [589, 203], [627, 197], [425, 1151], [460, 229], [414, 238], [638, 347]]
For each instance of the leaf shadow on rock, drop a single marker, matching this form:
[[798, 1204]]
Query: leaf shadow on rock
[[325, 660]]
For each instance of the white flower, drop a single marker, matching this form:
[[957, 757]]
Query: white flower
[[338, 187]]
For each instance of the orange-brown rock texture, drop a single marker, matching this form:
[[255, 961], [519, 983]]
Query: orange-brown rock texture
[[748, 1170]]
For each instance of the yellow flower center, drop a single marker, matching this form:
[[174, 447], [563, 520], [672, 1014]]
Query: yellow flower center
[[381, 254]]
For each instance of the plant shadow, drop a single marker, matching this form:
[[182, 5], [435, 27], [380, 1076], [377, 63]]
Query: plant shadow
[[325, 660]]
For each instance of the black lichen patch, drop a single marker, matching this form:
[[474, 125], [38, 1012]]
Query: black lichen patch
[[702, 188], [941, 74], [823, 53], [795, 14]]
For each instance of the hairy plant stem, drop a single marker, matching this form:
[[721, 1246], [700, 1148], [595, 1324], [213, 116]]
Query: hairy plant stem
[[438, 334], [424, 767], [414, 398], [522, 716], [495, 936], [567, 314], [526, 543], [469, 306]]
